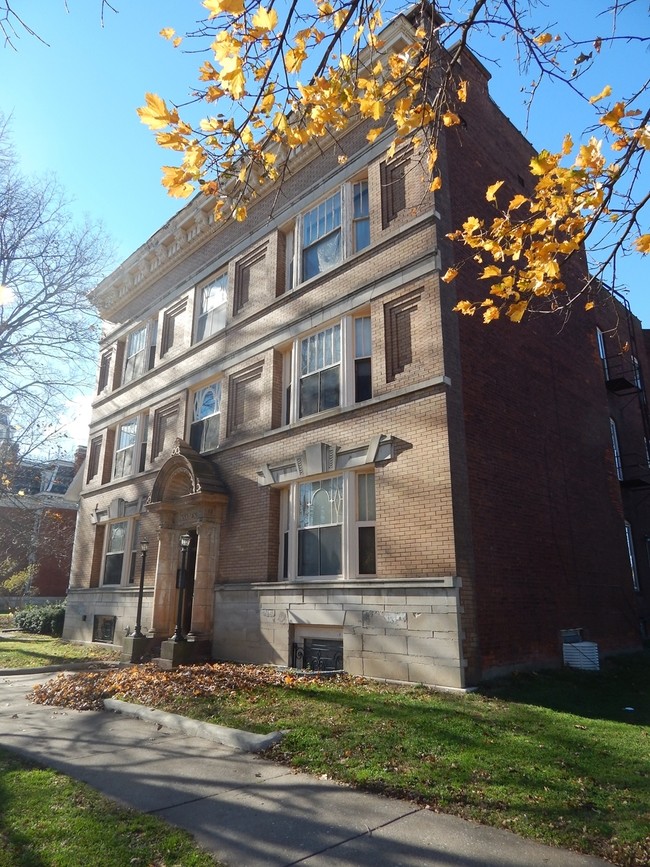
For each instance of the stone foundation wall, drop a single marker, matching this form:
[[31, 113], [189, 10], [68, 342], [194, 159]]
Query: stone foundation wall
[[398, 630], [83, 605]]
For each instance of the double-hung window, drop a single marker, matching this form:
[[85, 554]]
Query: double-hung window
[[332, 230], [140, 351], [212, 303], [616, 448], [329, 368], [131, 447], [206, 418], [120, 556], [328, 528]]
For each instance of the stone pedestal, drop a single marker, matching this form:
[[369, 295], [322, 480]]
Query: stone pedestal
[[175, 653], [136, 649]]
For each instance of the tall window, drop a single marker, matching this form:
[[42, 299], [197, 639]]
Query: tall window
[[120, 557], [320, 371], [333, 229], [321, 227], [328, 527], [212, 307], [206, 418], [630, 552], [319, 527], [618, 463], [366, 523], [135, 362], [360, 216], [329, 368], [602, 351], [131, 447]]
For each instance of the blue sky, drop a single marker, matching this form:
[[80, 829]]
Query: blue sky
[[73, 103]]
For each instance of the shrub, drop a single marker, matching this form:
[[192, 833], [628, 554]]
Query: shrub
[[41, 619]]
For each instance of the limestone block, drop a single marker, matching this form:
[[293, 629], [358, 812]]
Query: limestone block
[[384, 644], [384, 619]]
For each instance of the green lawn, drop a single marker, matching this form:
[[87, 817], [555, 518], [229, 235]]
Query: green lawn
[[562, 757], [22, 650], [49, 820]]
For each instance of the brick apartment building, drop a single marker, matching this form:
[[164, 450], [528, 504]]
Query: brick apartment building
[[37, 522], [368, 480]]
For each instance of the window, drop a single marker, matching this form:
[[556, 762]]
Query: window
[[93, 458], [630, 552], [616, 449], [104, 368], [131, 447], [602, 351], [328, 527], [165, 429], [333, 229], [122, 539], [206, 416], [140, 354], [392, 175], [329, 368], [319, 527], [366, 523], [212, 307]]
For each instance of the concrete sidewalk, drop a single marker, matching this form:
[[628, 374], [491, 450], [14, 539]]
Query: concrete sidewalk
[[248, 811]]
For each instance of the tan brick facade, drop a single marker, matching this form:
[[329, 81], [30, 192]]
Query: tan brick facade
[[367, 472]]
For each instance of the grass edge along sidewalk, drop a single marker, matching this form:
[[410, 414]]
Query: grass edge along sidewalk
[[48, 818], [560, 757]]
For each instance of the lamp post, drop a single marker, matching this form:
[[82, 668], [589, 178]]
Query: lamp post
[[178, 632], [137, 632]]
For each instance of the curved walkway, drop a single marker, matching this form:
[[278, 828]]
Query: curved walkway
[[247, 811]]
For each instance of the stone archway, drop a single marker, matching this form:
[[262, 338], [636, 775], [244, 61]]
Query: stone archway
[[188, 495]]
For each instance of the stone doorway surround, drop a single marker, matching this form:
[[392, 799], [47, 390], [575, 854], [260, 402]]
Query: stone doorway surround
[[188, 495]]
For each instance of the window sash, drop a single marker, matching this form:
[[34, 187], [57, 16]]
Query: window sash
[[206, 418], [136, 354], [212, 315]]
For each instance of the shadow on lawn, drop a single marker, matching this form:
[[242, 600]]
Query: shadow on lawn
[[619, 692]]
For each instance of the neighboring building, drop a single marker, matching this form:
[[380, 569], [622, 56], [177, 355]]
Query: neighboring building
[[37, 522], [368, 480]]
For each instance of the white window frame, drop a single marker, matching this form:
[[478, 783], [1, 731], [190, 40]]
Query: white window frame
[[137, 362], [293, 373], [197, 401], [616, 448], [214, 317], [290, 527], [140, 426], [296, 239], [632, 556], [602, 351], [129, 552]]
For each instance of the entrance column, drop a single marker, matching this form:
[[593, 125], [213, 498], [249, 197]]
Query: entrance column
[[207, 553], [164, 600]]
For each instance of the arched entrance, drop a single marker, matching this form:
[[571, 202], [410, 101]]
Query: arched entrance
[[189, 498]]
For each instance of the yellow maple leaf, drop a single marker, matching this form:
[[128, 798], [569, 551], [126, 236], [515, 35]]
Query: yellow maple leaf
[[435, 184], [155, 113], [216, 7], [449, 275], [167, 32], [490, 271], [175, 180], [606, 91], [374, 133], [515, 312], [589, 305], [232, 76], [543, 39], [265, 19], [462, 91], [449, 118], [517, 202], [642, 244], [490, 313], [240, 213], [465, 307], [370, 107], [294, 58], [492, 190]]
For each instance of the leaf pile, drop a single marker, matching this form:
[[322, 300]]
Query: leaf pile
[[149, 685]]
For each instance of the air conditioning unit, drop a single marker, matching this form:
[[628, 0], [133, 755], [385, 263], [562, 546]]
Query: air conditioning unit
[[581, 654]]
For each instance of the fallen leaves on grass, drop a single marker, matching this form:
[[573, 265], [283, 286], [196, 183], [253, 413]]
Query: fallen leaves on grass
[[149, 685]]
